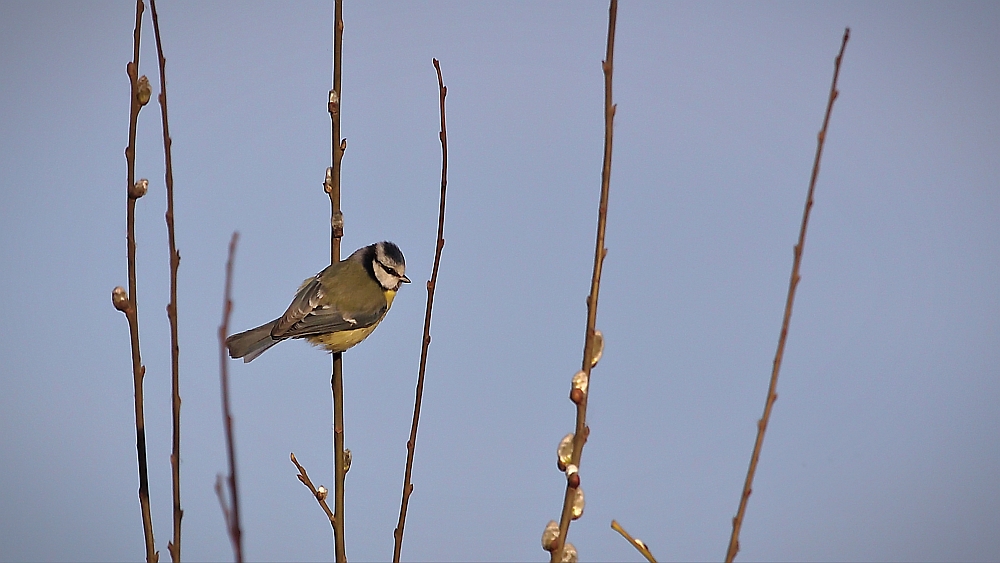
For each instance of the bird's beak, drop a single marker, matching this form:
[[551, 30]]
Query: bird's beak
[[404, 279]]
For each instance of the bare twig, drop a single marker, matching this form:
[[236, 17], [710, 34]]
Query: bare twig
[[734, 539], [320, 493], [582, 431], [139, 93], [636, 542], [332, 187], [425, 343], [223, 505], [175, 258], [233, 514]]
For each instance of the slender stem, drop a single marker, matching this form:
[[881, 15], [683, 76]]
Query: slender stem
[[636, 543], [426, 341], [233, 515], [319, 494], [175, 258], [582, 431], [127, 303], [339, 470], [332, 187], [734, 539], [223, 505]]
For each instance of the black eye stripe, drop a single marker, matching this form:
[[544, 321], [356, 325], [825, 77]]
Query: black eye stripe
[[388, 269]]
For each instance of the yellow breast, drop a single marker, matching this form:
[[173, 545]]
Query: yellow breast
[[346, 339]]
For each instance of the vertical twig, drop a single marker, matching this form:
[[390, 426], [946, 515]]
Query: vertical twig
[[425, 343], [175, 258], [233, 514], [139, 92], [582, 431], [734, 539], [332, 187]]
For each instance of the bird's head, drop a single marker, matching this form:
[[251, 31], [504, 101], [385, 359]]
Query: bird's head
[[389, 266]]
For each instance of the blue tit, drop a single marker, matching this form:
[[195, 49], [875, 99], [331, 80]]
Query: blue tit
[[336, 309]]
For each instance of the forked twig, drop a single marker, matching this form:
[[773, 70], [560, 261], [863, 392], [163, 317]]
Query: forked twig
[[582, 431], [233, 514], [636, 542], [425, 343], [173, 546], [126, 302], [734, 539], [223, 505], [320, 493]]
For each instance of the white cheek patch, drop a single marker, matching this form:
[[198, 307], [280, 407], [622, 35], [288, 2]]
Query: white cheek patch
[[385, 279]]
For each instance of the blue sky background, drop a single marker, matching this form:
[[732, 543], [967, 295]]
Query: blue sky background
[[883, 444]]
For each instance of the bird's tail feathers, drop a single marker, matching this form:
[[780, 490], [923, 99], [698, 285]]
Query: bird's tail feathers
[[252, 343]]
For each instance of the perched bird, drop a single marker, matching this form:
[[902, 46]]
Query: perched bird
[[337, 308]]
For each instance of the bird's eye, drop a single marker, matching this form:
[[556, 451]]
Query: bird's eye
[[391, 271]]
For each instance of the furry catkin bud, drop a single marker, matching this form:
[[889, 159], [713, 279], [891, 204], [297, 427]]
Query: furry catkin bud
[[119, 298], [578, 503], [550, 535], [138, 189], [565, 451], [597, 350], [143, 91]]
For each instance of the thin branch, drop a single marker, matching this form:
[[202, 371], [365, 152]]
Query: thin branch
[[582, 431], [223, 505], [425, 343], [233, 516], [636, 542], [332, 187], [734, 539], [175, 258], [139, 93], [320, 493]]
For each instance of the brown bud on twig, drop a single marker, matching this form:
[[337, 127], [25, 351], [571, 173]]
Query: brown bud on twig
[[573, 481], [119, 297], [347, 460], [572, 476], [322, 492], [576, 396], [138, 189]]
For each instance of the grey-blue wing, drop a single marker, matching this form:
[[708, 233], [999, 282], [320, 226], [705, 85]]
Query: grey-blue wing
[[306, 316], [306, 300], [325, 321]]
